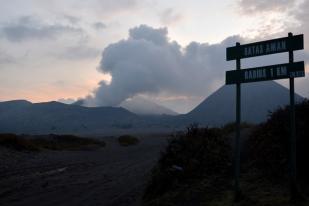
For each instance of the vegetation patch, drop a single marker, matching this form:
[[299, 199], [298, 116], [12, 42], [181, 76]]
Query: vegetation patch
[[193, 163], [231, 127], [16, 142], [127, 140], [269, 144], [196, 167], [50, 142]]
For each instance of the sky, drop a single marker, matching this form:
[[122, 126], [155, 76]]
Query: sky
[[106, 51]]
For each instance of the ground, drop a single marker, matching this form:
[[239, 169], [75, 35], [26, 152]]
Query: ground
[[113, 175]]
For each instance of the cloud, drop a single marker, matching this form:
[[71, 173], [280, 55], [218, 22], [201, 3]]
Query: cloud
[[67, 100], [301, 14], [29, 28], [77, 53], [113, 5], [294, 17], [72, 19], [169, 16], [148, 34], [104, 8], [149, 63], [99, 25], [5, 58], [296, 21], [261, 6]]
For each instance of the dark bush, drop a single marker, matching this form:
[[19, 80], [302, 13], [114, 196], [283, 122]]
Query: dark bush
[[15, 142], [269, 143], [127, 140], [231, 127], [201, 152], [67, 142], [51, 142]]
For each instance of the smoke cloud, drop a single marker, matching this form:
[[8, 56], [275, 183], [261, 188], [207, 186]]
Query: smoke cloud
[[148, 62]]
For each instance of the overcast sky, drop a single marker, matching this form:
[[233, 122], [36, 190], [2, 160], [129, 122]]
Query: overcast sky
[[170, 51]]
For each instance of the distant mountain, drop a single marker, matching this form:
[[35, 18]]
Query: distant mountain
[[21, 116], [142, 106], [257, 100]]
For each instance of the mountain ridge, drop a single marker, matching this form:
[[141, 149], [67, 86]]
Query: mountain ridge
[[257, 100], [21, 116], [56, 117]]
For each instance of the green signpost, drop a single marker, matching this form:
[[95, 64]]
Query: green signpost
[[273, 72], [289, 71], [273, 46]]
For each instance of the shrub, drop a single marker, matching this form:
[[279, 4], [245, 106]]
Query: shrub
[[269, 143], [127, 140], [231, 127], [51, 142], [67, 142], [200, 153], [15, 142]]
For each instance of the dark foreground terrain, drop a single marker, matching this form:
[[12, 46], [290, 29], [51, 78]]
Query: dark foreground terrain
[[194, 168], [110, 175], [197, 166]]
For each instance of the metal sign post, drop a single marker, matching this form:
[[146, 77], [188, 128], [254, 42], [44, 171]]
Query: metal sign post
[[289, 71], [293, 184], [237, 138]]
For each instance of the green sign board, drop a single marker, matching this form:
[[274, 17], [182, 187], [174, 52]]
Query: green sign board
[[273, 46], [290, 70], [273, 72]]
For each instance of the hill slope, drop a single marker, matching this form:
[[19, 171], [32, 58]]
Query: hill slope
[[142, 106], [257, 100], [53, 117]]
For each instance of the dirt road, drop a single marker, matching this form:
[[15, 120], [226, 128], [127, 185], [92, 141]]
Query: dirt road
[[113, 175]]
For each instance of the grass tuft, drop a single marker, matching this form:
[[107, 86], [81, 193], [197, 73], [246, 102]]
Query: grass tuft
[[49, 142], [128, 140], [18, 143]]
